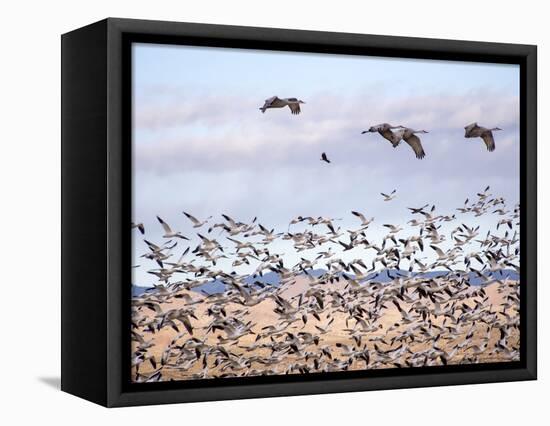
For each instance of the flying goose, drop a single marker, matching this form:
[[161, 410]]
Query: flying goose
[[475, 131], [276, 102], [364, 220], [408, 135], [389, 197], [393, 228], [196, 223], [168, 233], [139, 226]]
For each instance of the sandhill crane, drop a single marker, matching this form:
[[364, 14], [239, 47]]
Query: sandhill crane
[[385, 130], [276, 102], [408, 135], [324, 158], [475, 131]]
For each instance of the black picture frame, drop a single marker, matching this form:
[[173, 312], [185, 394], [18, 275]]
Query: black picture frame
[[96, 177]]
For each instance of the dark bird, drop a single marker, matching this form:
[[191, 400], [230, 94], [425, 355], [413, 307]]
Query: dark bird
[[324, 158]]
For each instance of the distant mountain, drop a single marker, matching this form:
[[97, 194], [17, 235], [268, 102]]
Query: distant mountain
[[138, 290], [217, 286], [474, 279], [386, 275]]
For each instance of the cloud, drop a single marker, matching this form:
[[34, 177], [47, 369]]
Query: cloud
[[168, 112], [229, 133]]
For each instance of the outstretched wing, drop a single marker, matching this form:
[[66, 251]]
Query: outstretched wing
[[489, 140], [391, 136], [164, 225], [231, 221], [359, 215], [294, 108], [438, 250], [270, 102], [416, 145], [191, 218]]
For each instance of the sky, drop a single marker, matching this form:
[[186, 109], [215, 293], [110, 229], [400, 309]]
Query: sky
[[200, 143]]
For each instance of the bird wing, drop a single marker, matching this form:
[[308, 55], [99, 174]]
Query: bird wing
[[191, 218], [489, 140], [270, 101], [359, 215], [438, 250], [294, 108], [164, 225], [231, 221], [139, 226], [416, 145], [187, 324], [151, 245], [389, 135]]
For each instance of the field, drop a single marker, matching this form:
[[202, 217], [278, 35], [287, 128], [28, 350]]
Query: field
[[308, 325]]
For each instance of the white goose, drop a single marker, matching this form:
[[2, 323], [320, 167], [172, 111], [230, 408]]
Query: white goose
[[168, 233], [196, 223], [389, 197]]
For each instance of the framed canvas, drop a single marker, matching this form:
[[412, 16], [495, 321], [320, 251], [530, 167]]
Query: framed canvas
[[255, 212]]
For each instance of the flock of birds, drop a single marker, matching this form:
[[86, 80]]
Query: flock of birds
[[385, 308], [394, 134]]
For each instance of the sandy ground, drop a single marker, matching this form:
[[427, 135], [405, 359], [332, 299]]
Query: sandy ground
[[389, 325]]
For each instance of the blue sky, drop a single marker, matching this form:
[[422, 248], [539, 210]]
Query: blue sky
[[201, 144], [236, 70]]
